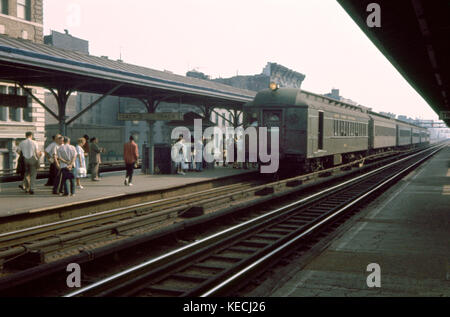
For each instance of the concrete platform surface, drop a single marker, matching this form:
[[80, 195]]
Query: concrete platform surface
[[406, 231], [15, 201]]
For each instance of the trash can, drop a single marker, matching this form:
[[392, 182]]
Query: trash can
[[163, 159]]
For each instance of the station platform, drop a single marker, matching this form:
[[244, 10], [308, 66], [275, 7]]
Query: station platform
[[15, 201], [406, 231]]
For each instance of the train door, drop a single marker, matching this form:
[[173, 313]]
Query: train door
[[272, 121], [320, 132]]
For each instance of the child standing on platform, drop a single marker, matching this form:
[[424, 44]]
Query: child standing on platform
[[80, 163]]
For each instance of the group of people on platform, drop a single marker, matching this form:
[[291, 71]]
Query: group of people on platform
[[192, 155], [68, 163]]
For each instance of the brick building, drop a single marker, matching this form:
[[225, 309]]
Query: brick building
[[272, 72], [20, 19]]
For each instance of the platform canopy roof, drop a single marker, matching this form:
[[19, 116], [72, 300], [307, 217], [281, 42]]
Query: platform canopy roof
[[415, 37], [32, 64]]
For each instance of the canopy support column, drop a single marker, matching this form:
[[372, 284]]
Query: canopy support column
[[223, 117], [62, 95], [150, 104], [207, 111]]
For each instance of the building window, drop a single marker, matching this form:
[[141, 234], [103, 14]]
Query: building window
[[12, 110], [24, 9], [4, 6], [27, 112]]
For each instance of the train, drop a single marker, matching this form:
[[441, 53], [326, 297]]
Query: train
[[317, 132]]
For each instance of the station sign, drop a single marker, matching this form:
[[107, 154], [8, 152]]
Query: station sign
[[14, 101], [157, 116]]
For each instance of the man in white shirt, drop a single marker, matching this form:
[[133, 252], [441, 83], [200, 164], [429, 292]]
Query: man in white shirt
[[50, 154], [67, 155], [30, 151]]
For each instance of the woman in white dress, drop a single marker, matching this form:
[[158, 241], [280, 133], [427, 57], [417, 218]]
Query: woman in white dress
[[80, 163]]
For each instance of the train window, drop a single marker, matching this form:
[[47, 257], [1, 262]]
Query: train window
[[405, 133], [274, 117], [346, 129], [341, 128]]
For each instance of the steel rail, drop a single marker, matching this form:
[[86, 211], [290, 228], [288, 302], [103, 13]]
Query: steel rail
[[12, 242], [115, 210], [216, 289], [68, 223], [261, 187], [198, 244]]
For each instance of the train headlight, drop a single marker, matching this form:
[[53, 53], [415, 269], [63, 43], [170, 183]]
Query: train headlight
[[273, 86]]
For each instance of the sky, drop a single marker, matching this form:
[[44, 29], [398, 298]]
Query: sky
[[222, 38]]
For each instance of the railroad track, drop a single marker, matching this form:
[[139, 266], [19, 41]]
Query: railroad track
[[45, 241], [221, 262]]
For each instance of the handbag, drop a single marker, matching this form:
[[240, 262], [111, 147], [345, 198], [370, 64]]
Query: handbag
[[81, 172]]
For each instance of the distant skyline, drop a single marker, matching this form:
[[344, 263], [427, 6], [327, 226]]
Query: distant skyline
[[225, 38]]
